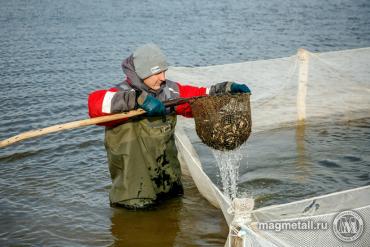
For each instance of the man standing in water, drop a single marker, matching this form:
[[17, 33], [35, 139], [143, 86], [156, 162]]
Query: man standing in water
[[141, 151]]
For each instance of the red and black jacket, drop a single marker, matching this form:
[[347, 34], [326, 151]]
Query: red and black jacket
[[122, 97]]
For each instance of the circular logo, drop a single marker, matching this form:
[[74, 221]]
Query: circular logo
[[348, 226]]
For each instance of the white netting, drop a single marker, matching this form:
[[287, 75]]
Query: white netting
[[338, 85], [324, 87], [311, 211]]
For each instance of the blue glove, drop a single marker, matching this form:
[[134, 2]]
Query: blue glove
[[151, 105], [239, 88], [228, 87]]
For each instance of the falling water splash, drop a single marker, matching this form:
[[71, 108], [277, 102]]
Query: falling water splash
[[228, 163]]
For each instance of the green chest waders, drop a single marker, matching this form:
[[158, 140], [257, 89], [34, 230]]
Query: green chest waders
[[143, 162]]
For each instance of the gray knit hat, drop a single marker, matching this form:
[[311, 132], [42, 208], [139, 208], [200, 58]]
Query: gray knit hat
[[149, 60]]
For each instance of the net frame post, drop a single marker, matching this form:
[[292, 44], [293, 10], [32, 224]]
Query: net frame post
[[303, 61]]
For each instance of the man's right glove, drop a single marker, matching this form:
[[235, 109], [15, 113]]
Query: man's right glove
[[228, 87], [151, 105]]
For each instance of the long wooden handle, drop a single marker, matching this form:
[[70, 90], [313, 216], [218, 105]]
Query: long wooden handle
[[87, 122], [70, 125]]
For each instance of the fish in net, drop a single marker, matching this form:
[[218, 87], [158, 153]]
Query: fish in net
[[223, 122]]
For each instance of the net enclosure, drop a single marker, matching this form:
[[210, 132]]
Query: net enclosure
[[303, 88]]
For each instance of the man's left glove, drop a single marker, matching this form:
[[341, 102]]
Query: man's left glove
[[228, 87], [239, 88], [153, 106]]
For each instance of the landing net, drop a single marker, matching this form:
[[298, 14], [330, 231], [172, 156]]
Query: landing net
[[304, 88], [223, 122]]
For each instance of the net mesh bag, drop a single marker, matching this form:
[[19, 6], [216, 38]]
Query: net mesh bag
[[223, 122]]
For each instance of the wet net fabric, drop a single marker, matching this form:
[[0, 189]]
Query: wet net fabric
[[306, 87], [318, 209]]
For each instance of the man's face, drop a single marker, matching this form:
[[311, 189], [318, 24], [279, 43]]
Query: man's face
[[155, 81]]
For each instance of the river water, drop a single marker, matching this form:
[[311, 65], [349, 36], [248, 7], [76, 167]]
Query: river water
[[54, 189]]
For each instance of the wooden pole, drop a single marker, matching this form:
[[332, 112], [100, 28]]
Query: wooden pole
[[87, 122], [303, 57], [70, 125]]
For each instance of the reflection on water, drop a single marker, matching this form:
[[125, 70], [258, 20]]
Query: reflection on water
[[146, 228], [187, 221], [302, 159]]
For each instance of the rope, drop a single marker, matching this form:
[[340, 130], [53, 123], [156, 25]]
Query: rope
[[241, 209]]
